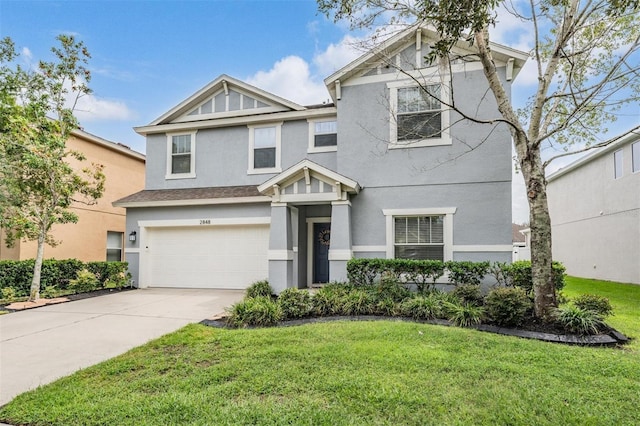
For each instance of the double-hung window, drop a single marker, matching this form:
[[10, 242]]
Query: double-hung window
[[420, 233], [264, 149], [419, 237], [181, 155], [323, 135], [418, 116], [419, 113], [635, 157]]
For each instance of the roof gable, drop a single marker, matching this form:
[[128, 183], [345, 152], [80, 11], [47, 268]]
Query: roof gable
[[226, 97], [406, 51], [309, 182]]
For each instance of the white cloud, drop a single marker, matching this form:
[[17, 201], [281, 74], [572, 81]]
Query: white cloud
[[291, 79], [337, 56], [26, 53], [93, 108]]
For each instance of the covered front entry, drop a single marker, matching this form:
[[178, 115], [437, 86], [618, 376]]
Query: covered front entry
[[228, 256], [310, 235]]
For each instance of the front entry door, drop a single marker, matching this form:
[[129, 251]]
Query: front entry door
[[321, 241]]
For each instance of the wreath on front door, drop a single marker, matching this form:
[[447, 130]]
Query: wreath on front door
[[324, 237]]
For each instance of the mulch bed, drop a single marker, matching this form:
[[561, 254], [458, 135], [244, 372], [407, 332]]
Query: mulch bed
[[612, 338]]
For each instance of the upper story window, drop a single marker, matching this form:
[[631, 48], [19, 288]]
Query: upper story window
[[635, 157], [323, 135], [181, 150], [264, 149], [419, 113], [617, 164], [418, 117]]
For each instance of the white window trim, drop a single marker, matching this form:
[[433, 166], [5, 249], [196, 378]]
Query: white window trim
[[635, 160], [445, 136], [121, 248], [312, 148], [447, 212], [192, 173], [621, 164], [278, 167]]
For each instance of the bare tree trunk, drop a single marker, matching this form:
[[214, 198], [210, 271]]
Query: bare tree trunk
[[37, 269], [540, 224]]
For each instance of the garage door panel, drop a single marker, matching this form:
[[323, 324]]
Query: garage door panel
[[208, 257]]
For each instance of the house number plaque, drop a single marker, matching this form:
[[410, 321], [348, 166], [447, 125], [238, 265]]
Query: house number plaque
[[205, 221]]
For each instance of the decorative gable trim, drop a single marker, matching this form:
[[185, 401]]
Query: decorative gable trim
[[413, 35], [225, 84], [308, 182]]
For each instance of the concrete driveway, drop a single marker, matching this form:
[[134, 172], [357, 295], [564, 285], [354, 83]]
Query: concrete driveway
[[41, 345]]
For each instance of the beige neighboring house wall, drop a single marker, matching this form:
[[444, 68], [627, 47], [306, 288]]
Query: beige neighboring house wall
[[595, 215], [87, 240]]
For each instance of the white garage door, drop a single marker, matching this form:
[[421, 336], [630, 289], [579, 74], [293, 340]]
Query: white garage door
[[208, 257]]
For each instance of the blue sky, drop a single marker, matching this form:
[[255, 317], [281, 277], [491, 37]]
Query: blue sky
[[147, 56]]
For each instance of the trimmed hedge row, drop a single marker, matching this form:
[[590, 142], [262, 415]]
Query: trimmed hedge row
[[425, 273], [17, 274]]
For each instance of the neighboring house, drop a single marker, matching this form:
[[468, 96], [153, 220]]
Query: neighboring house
[[521, 238], [595, 213], [99, 233], [243, 185]]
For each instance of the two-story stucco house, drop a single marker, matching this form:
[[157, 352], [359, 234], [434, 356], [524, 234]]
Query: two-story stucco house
[[243, 185], [99, 234], [594, 204]]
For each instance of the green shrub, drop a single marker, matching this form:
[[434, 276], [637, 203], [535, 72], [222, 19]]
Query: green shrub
[[329, 299], [295, 303], [58, 273], [85, 281], [579, 321], [389, 289], [387, 307], [422, 307], [421, 272], [110, 274], [255, 311], [464, 314], [464, 272], [259, 289], [357, 302], [468, 293], [519, 275], [49, 292], [595, 303], [9, 294], [507, 306]]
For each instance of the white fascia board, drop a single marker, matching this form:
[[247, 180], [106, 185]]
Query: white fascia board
[[108, 144], [194, 202], [596, 153], [236, 121]]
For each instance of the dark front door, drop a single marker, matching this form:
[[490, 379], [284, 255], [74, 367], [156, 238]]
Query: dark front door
[[321, 240]]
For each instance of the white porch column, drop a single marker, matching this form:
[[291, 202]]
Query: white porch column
[[340, 249], [280, 248]]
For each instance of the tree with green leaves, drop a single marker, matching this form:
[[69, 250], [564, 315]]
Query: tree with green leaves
[[587, 55], [39, 176]]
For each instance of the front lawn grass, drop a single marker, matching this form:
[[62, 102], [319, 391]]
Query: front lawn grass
[[625, 299], [346, 373]]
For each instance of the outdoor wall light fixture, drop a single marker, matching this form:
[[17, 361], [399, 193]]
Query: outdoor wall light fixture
[[132, 236]]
